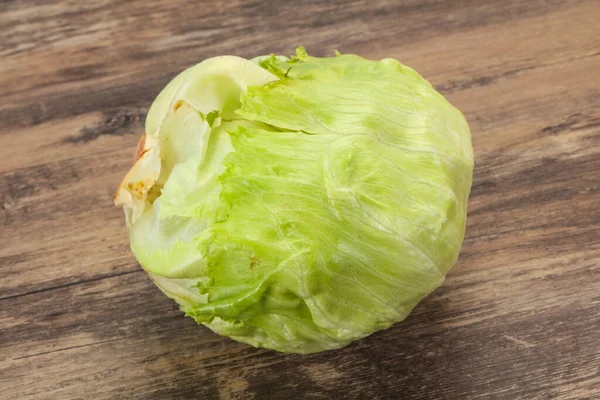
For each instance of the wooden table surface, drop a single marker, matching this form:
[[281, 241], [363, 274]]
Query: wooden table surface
[[518, 316]]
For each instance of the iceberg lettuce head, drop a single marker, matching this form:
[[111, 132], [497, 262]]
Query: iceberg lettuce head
[[298, 203]]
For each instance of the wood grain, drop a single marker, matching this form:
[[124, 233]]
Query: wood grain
[[518, 316]]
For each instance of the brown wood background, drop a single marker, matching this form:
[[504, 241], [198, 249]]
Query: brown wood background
[[519, 315]]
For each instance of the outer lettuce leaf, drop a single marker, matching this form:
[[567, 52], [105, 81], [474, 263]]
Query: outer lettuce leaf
[[304, 202]]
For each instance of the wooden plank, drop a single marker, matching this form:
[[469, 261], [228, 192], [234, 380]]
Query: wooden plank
[[518, 317], [480, 338], [83, 57]]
